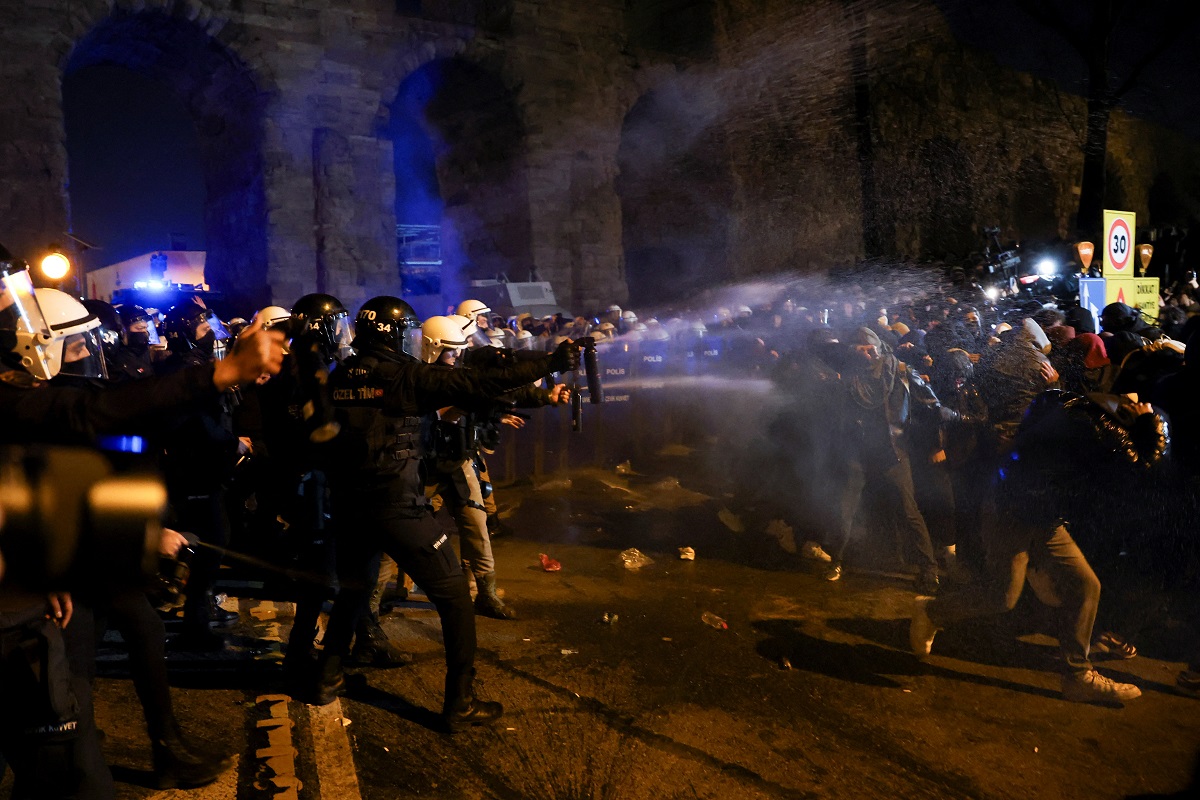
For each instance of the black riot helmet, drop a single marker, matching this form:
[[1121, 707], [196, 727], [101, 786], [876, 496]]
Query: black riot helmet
[[388, 323], [110, 326], [180, 324], [324, 316]]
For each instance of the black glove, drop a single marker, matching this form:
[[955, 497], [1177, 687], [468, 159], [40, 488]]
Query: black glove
[[565, 357]]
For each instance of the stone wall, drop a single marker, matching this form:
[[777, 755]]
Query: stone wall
[[548, 171]]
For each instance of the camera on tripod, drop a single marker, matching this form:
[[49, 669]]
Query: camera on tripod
[[68, 519]]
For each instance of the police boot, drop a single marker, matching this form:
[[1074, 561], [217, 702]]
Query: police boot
[[487, 602], [462, 709], [330, 681], [219, 617], [372, 646], [197, 635], [177, 766]]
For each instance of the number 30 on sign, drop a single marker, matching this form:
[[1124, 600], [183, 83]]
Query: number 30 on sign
[[1119, 227]]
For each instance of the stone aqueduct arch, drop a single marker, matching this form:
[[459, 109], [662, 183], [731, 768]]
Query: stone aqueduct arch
[[289, 111], [225, 103]]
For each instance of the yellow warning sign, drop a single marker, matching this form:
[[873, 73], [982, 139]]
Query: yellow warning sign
[[1141, 293]]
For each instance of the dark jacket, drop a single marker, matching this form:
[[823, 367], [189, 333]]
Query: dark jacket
[[37, 412], [886, 405], [1073, 456]]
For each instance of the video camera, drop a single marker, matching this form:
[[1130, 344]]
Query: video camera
[[68, 519]]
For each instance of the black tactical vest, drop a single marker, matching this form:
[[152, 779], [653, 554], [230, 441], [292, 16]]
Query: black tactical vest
[[384, 465]]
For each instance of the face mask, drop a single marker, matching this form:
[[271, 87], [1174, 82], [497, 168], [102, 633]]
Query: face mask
[[207, 342], [138, 341]]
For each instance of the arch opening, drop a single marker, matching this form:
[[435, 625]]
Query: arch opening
[[462, 193], [207, 111]]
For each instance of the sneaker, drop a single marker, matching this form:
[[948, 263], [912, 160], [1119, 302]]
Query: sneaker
[[1189, 681], [1092, 687], [921, 629], [815, 552], [834, 573]]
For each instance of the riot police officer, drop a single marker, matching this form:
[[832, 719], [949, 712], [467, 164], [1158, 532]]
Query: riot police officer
[[46, 729], [384, 394], [200, 452], [455, 461], [139, 337]]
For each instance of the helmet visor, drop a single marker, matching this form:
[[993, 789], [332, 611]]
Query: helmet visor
[[218, 327], [19, 303], [410, 342], [343, 335], [20, 312], [83, 355], [145, 324]]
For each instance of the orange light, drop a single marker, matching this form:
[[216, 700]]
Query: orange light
[[55, 266]]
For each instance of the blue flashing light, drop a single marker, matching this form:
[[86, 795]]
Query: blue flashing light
[[122, 444]]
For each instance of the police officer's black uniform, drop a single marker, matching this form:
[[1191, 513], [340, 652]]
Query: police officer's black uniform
[[384, 396], [46, 727], [200, 454]]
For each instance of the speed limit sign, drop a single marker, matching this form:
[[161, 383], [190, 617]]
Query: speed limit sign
[[1118, 242]]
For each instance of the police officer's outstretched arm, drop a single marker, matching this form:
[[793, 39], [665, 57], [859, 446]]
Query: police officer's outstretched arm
[[66, 415], [438, 387]]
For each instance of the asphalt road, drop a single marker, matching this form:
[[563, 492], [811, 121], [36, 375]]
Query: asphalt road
[[810, 692]]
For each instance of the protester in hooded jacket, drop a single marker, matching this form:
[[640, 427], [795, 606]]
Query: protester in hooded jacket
[[1012, 375], [882, 399], [1083, 365], [1120, 447]]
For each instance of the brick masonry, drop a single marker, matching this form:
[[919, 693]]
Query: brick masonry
[[600, 147]]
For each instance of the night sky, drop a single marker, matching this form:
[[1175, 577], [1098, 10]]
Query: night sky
[[134, 161]]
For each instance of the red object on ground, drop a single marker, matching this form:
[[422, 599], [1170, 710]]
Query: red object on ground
[[549, 564]]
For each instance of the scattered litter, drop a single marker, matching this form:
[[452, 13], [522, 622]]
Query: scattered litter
[[510, 729], [907, 691], [713, 621], [567, 652], [635, 559], [731, 520], [608, 618], [548, 563], [527, 640], [687, 554], [1035, 749], [786, 664], [386, 750], [624, 468], [667, 639]]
